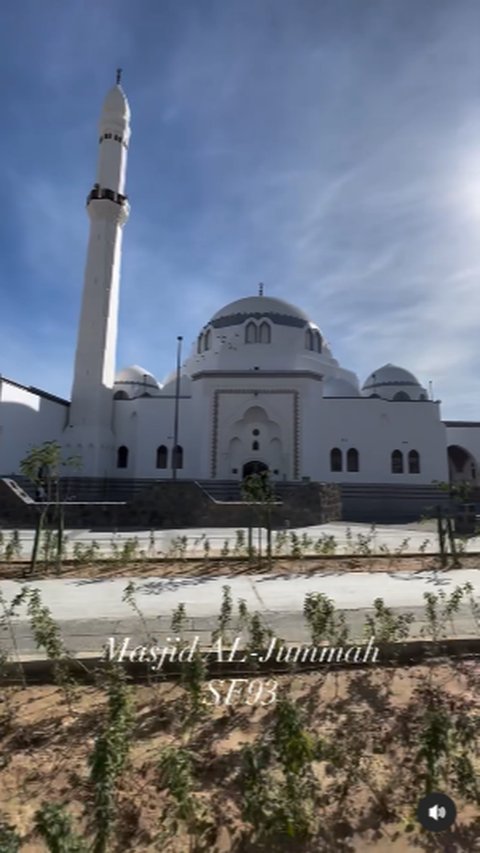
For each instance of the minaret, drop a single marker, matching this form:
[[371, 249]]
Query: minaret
[[89, 432]]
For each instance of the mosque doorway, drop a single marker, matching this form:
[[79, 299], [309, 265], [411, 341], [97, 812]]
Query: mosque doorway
[[254, 467], [462, 465]]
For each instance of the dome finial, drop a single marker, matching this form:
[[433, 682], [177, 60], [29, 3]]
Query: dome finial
[[119, 76], [260, 289]]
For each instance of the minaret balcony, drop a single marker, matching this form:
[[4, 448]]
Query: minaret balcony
[[103, 193]]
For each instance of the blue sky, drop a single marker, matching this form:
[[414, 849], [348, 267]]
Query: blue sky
[[330, 149]]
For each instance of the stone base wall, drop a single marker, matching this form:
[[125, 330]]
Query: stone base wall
[[176, 504]]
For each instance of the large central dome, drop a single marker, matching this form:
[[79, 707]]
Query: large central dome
[[277, 310]]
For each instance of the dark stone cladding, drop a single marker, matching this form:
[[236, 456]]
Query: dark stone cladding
[[174, 505], [238, 319]]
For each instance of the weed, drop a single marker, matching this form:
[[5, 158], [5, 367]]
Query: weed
[[47, 636], [129, 550], [54, 825], [9, 840], [281, 540], [13, 548], [193, 674], [440, 609], [325, 544], [385, 626], [363, 544], [225, 617], [109, 755], [86, 554], [206, 549], [296, 547], [324, 621], [402, 548], [179, 623], [306, 543], [240, 547], [176, 775]]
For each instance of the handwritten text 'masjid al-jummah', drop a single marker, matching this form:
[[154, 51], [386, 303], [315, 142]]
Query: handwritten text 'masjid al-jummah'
[[177, 651]]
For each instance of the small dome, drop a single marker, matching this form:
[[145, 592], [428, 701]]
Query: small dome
[[393, 383], [169, 384], [334, 387], [135, 381], [116, 105], [277, 310]]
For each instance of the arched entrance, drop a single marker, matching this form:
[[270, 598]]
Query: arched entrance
[[254, 467], [462, 465]]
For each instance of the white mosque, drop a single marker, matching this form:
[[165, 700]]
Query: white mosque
[[259, 390]]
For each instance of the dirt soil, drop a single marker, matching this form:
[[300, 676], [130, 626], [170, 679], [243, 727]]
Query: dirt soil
[[232, 567], [364, 805]]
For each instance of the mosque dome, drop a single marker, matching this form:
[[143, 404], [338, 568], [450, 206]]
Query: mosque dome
[[393, 383], [277, 310], [336, 387], [135, 381]]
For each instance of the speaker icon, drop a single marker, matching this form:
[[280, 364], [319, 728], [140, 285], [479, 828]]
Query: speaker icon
[[437, 812]]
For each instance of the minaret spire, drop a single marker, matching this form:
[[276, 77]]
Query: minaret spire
[[89, 428]]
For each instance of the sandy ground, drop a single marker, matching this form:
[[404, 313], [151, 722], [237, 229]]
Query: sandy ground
[[233, 567], [374, 714]]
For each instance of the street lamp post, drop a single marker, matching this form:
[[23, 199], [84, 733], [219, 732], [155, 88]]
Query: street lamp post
[[177, 400]]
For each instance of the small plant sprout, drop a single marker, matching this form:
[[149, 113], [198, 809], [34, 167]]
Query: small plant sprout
[[225, 617], [385, 626]]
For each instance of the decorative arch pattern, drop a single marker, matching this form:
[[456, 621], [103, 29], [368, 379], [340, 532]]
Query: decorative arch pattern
[[414, 462], [162, 457], [353, 460], [397, 462], [265, 333], [122, 457], [177, 457], [336, 459], [251, 333]]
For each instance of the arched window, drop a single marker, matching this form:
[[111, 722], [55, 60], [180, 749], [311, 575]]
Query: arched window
[[162, 456], [352, 459], [317, 341], [336, 463], [120, 395], [251, 333], [265, 333], [401, 396], [199, 343], [397, 462], [309, 339], [255, 445], [207, 340], [177, 457], [122, 457], [414, 462]]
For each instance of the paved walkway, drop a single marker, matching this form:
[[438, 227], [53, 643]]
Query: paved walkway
[[90, 611], [409, 538]]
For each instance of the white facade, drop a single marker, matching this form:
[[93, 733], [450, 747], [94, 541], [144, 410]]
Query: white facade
[[259, 388]]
